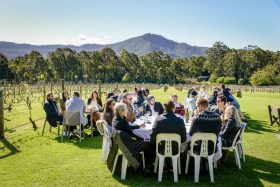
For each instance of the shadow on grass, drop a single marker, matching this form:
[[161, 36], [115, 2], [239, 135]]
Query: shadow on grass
[[253, 172], [257, 126], [86, 143], [13, 150]]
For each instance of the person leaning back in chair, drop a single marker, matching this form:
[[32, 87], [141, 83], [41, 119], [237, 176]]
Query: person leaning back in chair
[[52, 112]]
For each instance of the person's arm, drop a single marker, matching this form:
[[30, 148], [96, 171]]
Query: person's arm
[[227, 130], [89, 100], [125, 127], [154, 132], [49, 111]]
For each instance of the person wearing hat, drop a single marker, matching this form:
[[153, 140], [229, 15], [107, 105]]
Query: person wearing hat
[[153, 107]]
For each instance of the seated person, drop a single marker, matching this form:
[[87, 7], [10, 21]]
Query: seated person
[[65, 97], [108, 112], [139, 99], [203, 92], [213, 98], [77, 104], [95, 101], [190, 104], [153, 107], [52, 112], [179, 109], [205, 122], [231, 127], [168, 122], [220, 107], [131, 115]]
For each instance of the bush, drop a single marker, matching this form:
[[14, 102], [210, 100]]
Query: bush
[[220, 80], [241, 81], [229, 80], [213, 78], [265, 77]]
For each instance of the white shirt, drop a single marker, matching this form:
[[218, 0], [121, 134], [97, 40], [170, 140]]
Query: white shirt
[[77, 104]]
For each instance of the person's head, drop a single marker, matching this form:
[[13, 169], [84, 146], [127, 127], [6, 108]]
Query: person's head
[[223, 86], [127, 98], [65, 95], [201, 104], [215, 93], [109, 105], [94, 95], [193, 94], [151, 99], [135, 90], [146, 92], [139, 93], [221, 102], [76, 94], [120, 110], [231, 113], [174, 98], [50, 96], [169, 107], [110, 94], [202, 88], [124, 91]]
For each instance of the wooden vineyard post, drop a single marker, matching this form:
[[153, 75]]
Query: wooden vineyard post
[[2, 135], [62, 85]]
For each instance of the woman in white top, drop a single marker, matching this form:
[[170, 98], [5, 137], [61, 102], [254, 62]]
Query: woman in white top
[[202, 92]]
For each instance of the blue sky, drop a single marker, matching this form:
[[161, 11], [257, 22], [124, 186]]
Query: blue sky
[[237, 23]]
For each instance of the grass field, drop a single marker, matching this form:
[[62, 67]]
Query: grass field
[[29, 159]]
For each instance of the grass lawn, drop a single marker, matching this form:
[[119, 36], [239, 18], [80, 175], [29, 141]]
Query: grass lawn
[[29, 159]]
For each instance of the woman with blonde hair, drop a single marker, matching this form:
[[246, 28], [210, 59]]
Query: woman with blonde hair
[[229, 129]]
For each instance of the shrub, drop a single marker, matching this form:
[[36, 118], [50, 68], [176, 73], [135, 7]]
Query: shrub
[[241, 81], [229, 80], [220, 80], [213, 78]]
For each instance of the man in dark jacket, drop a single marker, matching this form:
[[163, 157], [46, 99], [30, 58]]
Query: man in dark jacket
[[168, 122], [52, 112], [152, 106]]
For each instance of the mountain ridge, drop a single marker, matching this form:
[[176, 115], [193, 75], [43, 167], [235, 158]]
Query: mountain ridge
[[139, 45]]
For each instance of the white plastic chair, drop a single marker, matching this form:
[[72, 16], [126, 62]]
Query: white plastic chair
[[234, 147], [240, 143], [105, 130], [204, 138], [71, 119], [124, 164], [168, 138]]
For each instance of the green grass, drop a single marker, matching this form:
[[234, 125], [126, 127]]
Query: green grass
[[28, 159]]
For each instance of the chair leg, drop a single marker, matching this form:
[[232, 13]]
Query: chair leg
[[63, 129], [44, 127], [103, 149], [115, 164], [156, 164], [175, 168], [143, 160], [58, 129], [187, 163], [196, 168], [237, 158], [243, 152], [210, 164], [80, 132], [160, 169], [124, 167], [179, 165]]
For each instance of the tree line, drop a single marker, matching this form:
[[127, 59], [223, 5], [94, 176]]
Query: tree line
[[251, 65]]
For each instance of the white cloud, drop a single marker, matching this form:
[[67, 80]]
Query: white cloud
[[83, 39]]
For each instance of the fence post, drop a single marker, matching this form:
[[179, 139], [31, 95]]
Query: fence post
[[62, 85], [2, 135]]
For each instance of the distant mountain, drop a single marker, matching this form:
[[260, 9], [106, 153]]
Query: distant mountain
[[139, 45]]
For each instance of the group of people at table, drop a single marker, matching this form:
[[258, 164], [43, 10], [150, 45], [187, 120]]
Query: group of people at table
[[217, 113]]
